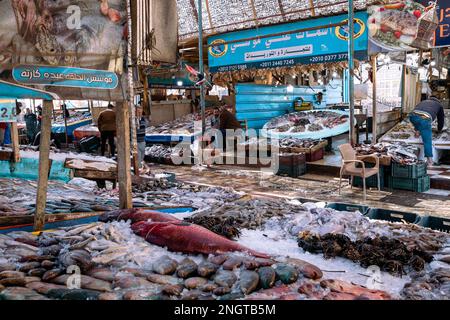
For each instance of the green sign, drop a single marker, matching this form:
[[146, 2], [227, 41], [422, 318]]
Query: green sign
[[8, 111]]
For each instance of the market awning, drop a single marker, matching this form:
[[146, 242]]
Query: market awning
[[14, 91]]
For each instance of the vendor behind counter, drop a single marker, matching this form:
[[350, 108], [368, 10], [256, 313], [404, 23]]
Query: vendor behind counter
[[422, 118]]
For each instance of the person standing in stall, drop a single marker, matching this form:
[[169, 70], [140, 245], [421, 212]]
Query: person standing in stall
[[424, 114], [107, 127], [30, 124], [39, 117]]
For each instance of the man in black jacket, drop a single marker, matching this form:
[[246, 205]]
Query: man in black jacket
[[422, 117]]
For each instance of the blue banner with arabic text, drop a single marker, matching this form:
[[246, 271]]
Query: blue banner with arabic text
[[324, 45], [65, 77]]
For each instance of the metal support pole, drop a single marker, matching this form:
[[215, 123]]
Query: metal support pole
[[374, 102], [131, 93], [200, 63], [350, 69]]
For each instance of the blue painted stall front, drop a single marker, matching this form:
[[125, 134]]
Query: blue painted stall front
[[260, 103], [70, 127], [28, 168]]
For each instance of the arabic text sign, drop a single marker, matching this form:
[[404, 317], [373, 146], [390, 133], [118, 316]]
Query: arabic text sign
[[442, 35], [7, 110], [328, 44], [65, 77]]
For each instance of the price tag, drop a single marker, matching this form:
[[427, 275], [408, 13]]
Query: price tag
[[8, 111]]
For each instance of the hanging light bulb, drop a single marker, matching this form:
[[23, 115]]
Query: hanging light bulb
[[432, 63], [294, 76], [290, 88], [335, 74]]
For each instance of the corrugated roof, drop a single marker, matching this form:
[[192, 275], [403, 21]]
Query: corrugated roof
[[229, 15]]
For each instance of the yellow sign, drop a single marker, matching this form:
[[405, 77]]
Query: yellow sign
[[342, 31], [218, 48]]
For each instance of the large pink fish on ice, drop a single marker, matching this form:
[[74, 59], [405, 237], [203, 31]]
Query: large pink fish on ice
[[189, 238]]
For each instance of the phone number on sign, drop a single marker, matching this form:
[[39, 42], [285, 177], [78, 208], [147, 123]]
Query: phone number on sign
[[279, 63], [329, 58]]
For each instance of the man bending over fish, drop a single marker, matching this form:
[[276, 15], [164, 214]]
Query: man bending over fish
[[422, 117]]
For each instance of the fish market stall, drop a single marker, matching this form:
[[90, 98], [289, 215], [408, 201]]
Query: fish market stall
[[312, 124], [404, 132], [74, 122], [183, 129]]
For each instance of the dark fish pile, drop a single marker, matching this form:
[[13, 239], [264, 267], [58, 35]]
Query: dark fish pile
[[151, 184], [245, 214], [162, 154], [431, 284], [390, 255], [224, 227], [298, 143]]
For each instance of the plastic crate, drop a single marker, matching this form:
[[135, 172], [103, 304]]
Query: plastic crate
[[392, 216], [291, 159], [347, 207], [435, 223], [412, 171], [292, 171], [371, 182], [417, 185], [315, 155]]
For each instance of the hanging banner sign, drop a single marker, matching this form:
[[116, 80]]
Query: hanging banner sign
[[8, 111], [442, 34], [329, 44], [65, 77], [57, 36], [401, 26]]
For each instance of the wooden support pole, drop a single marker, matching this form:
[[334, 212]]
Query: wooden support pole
[[44, 165], [313, 11], [15, 142], [134, 151], [374, 100], [145, 94], [418, 84], [123, 155]]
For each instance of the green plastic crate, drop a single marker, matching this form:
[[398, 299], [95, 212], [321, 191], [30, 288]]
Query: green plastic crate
[[371, 182], [418, 185], [412, 171], [392, 216], [435, 223], [347, 207]]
